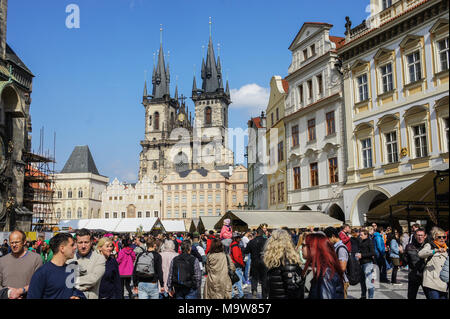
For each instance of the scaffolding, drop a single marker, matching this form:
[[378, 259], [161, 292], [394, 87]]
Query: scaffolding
[[39, 188]]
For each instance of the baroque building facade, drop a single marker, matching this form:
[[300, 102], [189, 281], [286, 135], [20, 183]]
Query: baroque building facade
[[395, 67], [314, 123], [78, 187]]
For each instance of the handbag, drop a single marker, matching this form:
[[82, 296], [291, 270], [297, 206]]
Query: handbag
[[233, 276]]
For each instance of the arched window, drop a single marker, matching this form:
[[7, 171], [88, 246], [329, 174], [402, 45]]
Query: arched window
[[208, 114], [155, 165], [69, 193], [69, 213], [79, 213], [58, 213], [80, 193], [156, 124]]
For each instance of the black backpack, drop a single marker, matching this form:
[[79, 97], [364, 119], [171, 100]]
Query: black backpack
[[353, 270], [183, 271]]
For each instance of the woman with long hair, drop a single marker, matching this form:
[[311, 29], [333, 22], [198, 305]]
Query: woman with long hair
[[218, 283], [299, 247], [395, 249], [328, 278], [284, 275], [110, 286]]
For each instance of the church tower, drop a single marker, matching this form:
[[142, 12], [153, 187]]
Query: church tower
[[160, 113], [211, 101]]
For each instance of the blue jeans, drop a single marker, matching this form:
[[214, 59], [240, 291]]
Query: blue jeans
[[148, 290], [238, 285], [247, 268], [366, 280], [434, 294], [186, 294]]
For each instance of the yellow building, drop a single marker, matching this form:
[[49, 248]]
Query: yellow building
[[396, 83], [276, 144]]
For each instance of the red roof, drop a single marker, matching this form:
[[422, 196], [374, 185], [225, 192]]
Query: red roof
[[257, 121], [285, 85], [339, 41]]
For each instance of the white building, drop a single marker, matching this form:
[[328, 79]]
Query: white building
[[140, 200], [396, 100], [78, 187], [314, 125]]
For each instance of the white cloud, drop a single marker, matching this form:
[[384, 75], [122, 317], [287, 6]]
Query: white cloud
[[250, 96]]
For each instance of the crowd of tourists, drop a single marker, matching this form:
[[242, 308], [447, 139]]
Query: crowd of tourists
[[285, 264]]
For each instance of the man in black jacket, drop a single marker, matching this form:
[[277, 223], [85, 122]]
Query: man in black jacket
[[365, 256], [258, 270], [416, 264]]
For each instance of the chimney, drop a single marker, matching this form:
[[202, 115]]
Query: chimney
[[3, 19]]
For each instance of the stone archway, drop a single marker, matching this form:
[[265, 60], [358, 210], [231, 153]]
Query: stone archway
[[365, 201], [335, 211]]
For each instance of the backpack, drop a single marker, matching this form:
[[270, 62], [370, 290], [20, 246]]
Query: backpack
[[353, 270], [145, 265], [183, 271]]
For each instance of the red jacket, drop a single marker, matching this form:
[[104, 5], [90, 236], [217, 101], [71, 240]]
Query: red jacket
[[236, 255], [208, 243], [345, 240]]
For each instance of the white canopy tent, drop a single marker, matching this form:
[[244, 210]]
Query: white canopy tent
[[174, 226], [123, 225]]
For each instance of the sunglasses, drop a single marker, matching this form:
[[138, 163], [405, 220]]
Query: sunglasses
[[442, 237]]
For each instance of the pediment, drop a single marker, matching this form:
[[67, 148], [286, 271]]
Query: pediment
[[387, 118], [306, 31], [383, 52], [441, 24], [359, 63], [409, 40], [363, 126]]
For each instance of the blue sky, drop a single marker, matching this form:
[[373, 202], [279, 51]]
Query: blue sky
[[89, 81]]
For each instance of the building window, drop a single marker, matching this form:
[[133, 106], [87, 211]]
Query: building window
[[294, 135], [69, 194], [202, 198], [447, 132], [320, 83], [169, 214], [367, 152], [278, 115], [156, 121], [297, 183], [201, 186], [391, 146], [444, 54], [184, 214], [363, 88], [331, 129], [217, 198], [123, 215], [210, 198], [106, 215], [420, 140], [312, 129], [183, 187], [280, 152], [176, 199], [139, 197], [58, 213], [194, 198], [110, 197], [271, 118], [115, 215], [177, 187], [272, 194], [234, 186], [155, 165], [300, 90], [139, 214], [169, 188], [333, 169], [313, 49], [169, 199], [80, 193], [120, 198], [184, 199], [234, 199], [280, 192], [314, 171], [194, 186], [115, 197], [305, 54], [386, 4], [218, 211], [194, 213], [210, 211], [208, 114], [59, 194], [69, 214], [202, 213], [310, 89], [413, 61], [147, 214], [217, 186], [155, 213], [386, 77], [209, 186], [79, 213], [177, 214]]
